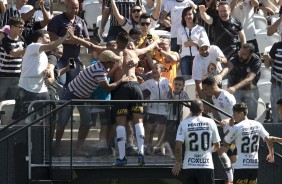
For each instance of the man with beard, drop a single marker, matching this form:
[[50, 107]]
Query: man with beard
[[244, 69], [207, 63]]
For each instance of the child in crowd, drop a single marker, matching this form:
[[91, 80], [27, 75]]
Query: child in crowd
[[160, 89], [175, 111]]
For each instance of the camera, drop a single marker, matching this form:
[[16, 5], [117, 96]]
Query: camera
[[71, 62]]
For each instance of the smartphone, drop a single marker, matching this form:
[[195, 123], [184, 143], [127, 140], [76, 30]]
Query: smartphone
[[71, 61]]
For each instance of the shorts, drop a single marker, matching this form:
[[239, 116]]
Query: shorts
[[198, 176], [232, 150], [128, 91], [155, 118], [248, 176]]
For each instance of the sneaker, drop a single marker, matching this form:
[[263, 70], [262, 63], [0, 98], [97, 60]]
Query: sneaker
[[120, 162], [141, 160], [130, 151]]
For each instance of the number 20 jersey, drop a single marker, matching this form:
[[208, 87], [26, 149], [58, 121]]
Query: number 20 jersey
[[198, 133], [246, 135]]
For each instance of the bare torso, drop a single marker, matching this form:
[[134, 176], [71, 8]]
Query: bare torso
[[128, 64]]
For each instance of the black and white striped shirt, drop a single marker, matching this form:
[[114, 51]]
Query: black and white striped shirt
[[124, 8], [11, 12], [10, 66], [88, 80], [175, 109], [276, 54]]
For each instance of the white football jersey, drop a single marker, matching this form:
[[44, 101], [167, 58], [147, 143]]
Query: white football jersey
[[225, 102], [198, 133], [246, 135]]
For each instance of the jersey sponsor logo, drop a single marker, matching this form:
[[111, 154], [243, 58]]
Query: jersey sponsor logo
[[122, 112], [198, 129], [245, 181], [250, 161], [137, 109], [199, 160], [200, 124]]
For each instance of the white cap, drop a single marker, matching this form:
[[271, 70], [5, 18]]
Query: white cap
[[203, 42]]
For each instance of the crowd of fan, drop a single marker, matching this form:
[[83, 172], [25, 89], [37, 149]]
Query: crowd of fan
[[208, 40]]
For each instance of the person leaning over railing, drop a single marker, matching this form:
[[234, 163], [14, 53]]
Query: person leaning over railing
[[81, 87]]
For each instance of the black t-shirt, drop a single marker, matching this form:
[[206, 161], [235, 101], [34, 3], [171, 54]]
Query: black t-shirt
[[226, 35], [29, 30], [241, 70]]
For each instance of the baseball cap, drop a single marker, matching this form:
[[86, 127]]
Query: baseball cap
[[108, 56], [203, 42], [26, 8]]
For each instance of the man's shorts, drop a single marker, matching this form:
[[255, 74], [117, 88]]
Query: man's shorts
[[128, 91], [245, 176], [232, 150], [198, 176]]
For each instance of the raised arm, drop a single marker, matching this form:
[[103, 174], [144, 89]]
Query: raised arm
[[53, 44], [208, 19], [87, 44], [121, 19], [46, 16], [156, 13]]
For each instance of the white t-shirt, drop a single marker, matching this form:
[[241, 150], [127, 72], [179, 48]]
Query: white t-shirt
[[207, 66], [246, 135], [198, 133], [225, 102], [244, 11], [159, 91], [34, 63], [197, 32], [175, 9]]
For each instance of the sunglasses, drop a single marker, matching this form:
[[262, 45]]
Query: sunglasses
[[136, 10], [144, 23]]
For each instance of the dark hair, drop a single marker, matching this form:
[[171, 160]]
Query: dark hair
[[279, 102], [123, 39], [250, 47], [13, 21], [209, 81], [145, 16], [135, 31], [197, 106], [133, 21], [38, 34], [241, 107], [222, 3], [184, 12], [179, 78]]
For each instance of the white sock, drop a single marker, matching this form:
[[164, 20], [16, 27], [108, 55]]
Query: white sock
[[121, 137], [140, 134], [233, 167], [229, 175]]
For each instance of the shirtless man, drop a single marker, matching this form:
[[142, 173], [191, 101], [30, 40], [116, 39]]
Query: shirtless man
[[127, 91]]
